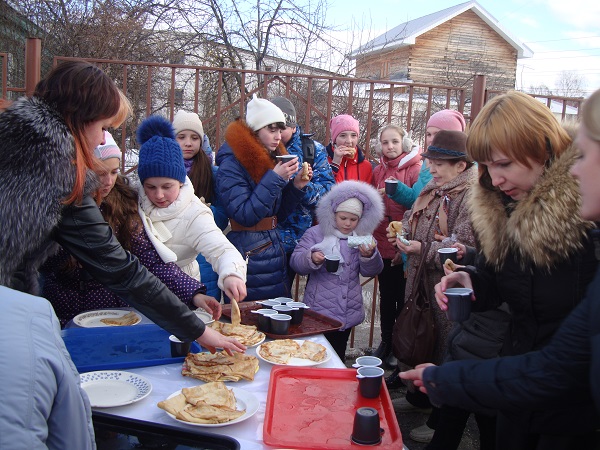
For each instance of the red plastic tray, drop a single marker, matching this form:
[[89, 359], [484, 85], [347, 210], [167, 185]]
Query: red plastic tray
[[313, 322], [314, 408]]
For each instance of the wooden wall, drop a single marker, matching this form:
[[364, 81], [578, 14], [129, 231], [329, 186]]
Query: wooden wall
[[450, 54]]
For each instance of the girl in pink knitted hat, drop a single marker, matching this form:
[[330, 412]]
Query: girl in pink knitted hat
[[346, 158]]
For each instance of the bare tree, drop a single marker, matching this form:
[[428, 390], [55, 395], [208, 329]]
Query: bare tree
[[570, 84]]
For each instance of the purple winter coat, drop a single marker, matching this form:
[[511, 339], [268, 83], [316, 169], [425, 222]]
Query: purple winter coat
[[340, 296]]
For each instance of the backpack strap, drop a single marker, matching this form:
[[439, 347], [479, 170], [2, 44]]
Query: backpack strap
[[308, 148]]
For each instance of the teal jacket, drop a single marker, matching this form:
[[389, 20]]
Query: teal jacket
[[405, 195]]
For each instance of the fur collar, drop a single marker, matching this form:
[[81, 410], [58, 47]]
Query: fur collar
[[249, 151], [543, 229]]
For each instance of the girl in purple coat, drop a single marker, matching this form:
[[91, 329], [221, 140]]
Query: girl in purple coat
[[347, 216]]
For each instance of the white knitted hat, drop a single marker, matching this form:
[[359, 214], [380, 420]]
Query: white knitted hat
[[184, 120], [352, 206], [109, 149], [261, 112]]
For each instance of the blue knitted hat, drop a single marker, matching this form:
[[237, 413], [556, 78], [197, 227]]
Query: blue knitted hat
[[160, 153]]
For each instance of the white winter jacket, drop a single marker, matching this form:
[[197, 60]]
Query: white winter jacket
[[187, 227]]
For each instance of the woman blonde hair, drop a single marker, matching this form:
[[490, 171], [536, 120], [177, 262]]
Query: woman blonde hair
[[518, 126]]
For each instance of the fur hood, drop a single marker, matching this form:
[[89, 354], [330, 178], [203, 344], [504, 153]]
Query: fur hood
[[367, 194], [249, 151], [543, 229], [36, 174]]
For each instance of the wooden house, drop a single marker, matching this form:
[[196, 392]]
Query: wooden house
[[448, 47]]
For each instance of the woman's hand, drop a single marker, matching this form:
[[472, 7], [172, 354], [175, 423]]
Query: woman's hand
[[367, 250], [299, 183], [209, 304], [390, 235], [413, 248], [416, 375], [462, 250], [212, 339], [317, 257], [454, 279], [286, 170], [234, 287]]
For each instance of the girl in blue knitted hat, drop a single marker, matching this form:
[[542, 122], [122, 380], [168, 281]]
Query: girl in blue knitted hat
[[179, 225]]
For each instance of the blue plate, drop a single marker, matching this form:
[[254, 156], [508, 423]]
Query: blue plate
[[110, 348]]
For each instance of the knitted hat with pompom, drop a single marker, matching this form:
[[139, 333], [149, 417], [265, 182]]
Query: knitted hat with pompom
[[160, 153]]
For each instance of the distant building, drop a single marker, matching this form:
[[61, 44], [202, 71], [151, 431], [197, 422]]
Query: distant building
[[448, 47]]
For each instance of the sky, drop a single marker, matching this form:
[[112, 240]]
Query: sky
[[564, 35]]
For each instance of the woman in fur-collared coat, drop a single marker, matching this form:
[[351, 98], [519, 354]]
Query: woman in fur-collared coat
[[258, 191], [536, 253]]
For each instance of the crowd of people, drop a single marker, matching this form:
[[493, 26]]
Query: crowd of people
[[515, 193]]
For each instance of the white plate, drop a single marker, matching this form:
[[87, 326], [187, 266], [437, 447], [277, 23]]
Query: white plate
[[244, 400], [92, 319], [296, 361], [204, 316], [259, 342], [108, 388]]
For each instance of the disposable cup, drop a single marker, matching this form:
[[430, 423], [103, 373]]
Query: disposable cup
[[332, 263], [459, 304], [366, 429], [367, 361], [179, 348], [448, 253], [391, 186], [369, 381], [280, 323]]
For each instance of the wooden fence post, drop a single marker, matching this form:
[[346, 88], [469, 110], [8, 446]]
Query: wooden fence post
[[478, 96], [33, 64]]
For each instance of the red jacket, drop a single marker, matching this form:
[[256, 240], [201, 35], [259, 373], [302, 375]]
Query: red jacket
[[405, 168], [358, 168]]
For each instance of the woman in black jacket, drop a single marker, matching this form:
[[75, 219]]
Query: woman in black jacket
[[46, 153], [536, 252]]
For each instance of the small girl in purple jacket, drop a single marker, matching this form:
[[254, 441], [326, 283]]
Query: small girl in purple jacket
[[347, 217]]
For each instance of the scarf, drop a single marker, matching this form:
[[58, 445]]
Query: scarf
[[423, 201], [330, 245]]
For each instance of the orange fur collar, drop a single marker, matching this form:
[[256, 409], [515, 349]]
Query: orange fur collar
[[249, 151]]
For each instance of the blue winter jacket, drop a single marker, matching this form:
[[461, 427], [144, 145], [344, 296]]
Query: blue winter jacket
[[251, 191], [301, 219], [565, 372], [208, 276]]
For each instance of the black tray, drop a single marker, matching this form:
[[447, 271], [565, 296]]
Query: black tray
[[313, 322]]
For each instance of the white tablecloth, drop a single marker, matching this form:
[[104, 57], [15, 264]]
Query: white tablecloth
[[168, 379]]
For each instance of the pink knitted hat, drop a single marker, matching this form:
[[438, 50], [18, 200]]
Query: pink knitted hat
[[447, 119], [109, 149], [343, 122]]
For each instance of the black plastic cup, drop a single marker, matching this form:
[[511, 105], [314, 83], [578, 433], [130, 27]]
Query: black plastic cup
[[448, 253], [269, 303], [285, 158], [283, 300], [367, 428], [391, 186], [369, 380], [264, 321], [332, 263], [459, 304], [280, 323], [179, 348]]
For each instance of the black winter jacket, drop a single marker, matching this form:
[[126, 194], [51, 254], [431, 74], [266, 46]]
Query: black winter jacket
[[36, 174]]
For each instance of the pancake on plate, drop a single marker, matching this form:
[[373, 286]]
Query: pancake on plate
[[209, 403], [130, 318], [220, 366], [279, 351]]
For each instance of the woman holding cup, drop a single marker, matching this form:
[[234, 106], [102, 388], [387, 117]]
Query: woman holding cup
[[536, 252]]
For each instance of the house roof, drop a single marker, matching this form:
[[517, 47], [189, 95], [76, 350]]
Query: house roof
[[407, 33]]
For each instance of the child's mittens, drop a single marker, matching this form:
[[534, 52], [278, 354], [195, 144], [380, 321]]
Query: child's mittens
[[356, 241]]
